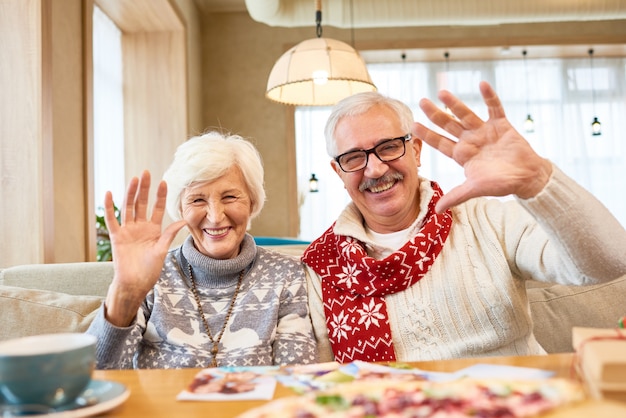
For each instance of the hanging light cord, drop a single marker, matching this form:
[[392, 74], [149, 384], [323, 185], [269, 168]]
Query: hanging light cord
[[593, 91], [318, 18], [526, 77], [352, 23]]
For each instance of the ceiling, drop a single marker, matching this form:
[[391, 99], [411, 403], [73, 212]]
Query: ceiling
[[397, 13], [219, 6], [406, 13]]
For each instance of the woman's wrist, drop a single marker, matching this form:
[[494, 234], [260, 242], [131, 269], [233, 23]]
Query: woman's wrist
[[120, 307]]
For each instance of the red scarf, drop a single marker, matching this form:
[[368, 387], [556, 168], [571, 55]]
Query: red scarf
[[354, 284]]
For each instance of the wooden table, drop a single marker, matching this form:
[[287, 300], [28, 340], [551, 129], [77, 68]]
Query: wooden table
[[153, 392]]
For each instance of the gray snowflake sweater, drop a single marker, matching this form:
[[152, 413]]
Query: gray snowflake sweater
[[269, 325]]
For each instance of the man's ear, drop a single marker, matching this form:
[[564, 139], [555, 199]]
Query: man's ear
[[336, 167], [417, 149]]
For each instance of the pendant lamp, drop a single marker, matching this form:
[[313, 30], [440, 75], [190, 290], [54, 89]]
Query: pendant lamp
[[529, 123], [318, 71], [313, 184], [446, 56], [596, 126]]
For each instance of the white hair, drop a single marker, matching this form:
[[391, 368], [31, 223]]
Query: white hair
[[207, 157], [359, 103]]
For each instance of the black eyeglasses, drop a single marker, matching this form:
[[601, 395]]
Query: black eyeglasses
[[386, 151]]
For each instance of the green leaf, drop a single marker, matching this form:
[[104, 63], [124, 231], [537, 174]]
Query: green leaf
[[336, 402], [103, 243]]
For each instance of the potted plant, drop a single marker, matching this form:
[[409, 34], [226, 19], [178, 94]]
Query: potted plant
[[103, 240]]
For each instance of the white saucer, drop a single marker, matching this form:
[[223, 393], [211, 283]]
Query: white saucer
[[104, 394], [109, 395]]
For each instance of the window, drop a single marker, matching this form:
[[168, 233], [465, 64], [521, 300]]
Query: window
[[108, 103], [559, 99], [317, 210]]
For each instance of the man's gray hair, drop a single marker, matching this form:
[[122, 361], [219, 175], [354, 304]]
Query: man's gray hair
[[358, 104]]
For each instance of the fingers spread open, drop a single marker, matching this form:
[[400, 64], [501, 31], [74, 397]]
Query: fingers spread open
[[170, 232], [491, 99], [455, 196], [440, 118], [109, 213], [142, 196], [465, 117], [435, 140], [159, 206], [128, 207]]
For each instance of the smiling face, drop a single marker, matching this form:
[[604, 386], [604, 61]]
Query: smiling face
[[217, 214], [386, 194]]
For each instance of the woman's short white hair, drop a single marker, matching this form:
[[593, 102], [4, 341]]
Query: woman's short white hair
[[207, 157], [359, 103]]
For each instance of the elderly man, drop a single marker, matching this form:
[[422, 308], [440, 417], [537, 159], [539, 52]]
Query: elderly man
[[407, 273]]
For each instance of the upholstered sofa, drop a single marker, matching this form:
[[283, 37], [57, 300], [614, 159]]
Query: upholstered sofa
[[45, 298]]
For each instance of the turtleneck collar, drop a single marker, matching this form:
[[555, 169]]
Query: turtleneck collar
[[209, 272]]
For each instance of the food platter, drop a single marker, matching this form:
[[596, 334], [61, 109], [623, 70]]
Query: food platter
[[549, 398]]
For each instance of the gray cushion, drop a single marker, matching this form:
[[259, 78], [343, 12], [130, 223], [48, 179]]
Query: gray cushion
[[86, 278], [557, 309], [27, 312]]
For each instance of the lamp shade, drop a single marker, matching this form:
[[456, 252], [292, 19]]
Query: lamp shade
[[318, 72]]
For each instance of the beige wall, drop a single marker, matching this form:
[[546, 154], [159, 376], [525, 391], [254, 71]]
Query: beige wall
[[238, 54], [193, 61], [41, 132]]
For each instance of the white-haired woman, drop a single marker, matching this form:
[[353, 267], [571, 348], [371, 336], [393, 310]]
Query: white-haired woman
[[216, 300]]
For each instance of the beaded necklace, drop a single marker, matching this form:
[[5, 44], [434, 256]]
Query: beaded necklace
[[196, 296]]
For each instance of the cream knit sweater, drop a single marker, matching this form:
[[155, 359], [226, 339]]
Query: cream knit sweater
[[473, 300]]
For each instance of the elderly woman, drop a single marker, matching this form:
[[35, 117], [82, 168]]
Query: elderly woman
[[216, 300]]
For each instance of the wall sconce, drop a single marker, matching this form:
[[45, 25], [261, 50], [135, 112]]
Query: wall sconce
[[313, 184], [596, 126]]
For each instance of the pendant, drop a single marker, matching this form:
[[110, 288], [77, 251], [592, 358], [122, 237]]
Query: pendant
[[214, 354]]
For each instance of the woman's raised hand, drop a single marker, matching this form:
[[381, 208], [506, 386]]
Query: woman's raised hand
[[139, 247]]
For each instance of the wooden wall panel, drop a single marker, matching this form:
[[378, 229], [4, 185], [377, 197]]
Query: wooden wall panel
[[67, 156], [46, 209], [155, 101], [21, 132]]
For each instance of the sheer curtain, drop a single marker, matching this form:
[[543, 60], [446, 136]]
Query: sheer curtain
[[108, 106], [556, 92]]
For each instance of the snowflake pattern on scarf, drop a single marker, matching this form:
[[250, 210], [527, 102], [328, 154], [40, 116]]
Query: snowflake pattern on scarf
[[354, 284]]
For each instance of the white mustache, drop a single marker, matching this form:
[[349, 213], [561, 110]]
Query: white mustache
[[387, 178]]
